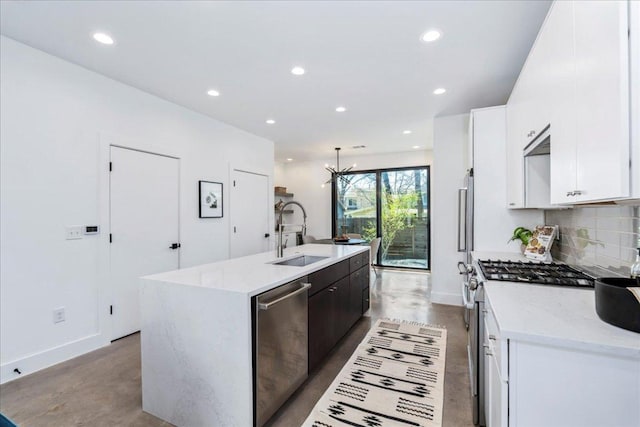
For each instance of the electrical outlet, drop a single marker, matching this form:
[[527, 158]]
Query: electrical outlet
[[74, 232], [58, 315]]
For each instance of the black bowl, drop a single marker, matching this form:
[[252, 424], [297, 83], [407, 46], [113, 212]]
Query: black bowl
[[615, 304]]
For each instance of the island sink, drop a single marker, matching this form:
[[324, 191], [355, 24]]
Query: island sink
[[300, 261]]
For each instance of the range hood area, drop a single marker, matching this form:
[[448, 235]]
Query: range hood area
[[540, 145], [537, 171]]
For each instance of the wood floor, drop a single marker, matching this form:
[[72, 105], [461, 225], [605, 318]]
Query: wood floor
[[103, 388]]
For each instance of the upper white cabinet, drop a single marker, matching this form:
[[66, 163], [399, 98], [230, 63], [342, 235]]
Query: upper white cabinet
[[545, 85], [601, 34], [576, 81], [560, 87]]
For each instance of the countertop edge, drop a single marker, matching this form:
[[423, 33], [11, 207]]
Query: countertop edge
[[285, 274]]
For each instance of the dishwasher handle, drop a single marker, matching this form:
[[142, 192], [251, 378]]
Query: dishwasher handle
[[268, 305]]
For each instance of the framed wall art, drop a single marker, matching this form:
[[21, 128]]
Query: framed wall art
[[210, 199]]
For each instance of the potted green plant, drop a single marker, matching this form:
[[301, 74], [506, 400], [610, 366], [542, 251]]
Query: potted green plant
[[522, 234]]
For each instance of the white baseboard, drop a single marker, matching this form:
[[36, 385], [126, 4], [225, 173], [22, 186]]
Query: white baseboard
[[37, 361], [446, 298]]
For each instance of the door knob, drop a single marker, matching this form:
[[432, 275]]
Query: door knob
[[174, 246]]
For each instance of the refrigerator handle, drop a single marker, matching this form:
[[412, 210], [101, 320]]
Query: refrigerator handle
[[462, 218]]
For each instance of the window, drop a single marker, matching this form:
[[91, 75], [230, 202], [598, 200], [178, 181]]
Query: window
[[388, 203]]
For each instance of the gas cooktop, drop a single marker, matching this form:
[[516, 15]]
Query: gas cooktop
[[535, 272]]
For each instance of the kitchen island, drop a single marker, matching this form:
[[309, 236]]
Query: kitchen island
[[551, 361], [198, 328]]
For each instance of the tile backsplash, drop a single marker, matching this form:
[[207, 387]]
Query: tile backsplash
[[597, 237]]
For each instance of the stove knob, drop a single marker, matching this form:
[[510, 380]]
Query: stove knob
[[473, 283], [462, 267], [465, 268]]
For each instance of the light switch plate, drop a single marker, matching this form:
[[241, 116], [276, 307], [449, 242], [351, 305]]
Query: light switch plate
[[73, 232]]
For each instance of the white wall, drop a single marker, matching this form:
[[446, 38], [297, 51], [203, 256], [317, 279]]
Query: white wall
[[305, 180], [55, 120], [451, 159]]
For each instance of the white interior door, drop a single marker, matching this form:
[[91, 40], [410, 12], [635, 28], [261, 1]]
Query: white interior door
[[249, 211], [144, 224]]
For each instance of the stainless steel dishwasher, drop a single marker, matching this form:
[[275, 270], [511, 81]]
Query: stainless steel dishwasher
[[281, 344]]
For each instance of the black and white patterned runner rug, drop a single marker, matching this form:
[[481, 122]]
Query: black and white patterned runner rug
[[394, 378]]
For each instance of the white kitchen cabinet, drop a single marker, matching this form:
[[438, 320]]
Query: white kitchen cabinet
[[549, 361], [576, 80], [598, 147], [560, 84], [530, 385], [556, 386], [515, 170], [541, 90], [495, 368]]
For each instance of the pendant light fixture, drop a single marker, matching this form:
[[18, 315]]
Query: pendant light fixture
[[336, 173]]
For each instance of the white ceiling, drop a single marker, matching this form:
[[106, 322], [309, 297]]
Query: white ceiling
[[366, 56]]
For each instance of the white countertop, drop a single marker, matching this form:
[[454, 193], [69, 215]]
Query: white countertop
[[557, 316], [553, 315], [254, 274]]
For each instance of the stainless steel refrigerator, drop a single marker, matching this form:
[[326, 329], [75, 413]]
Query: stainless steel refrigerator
[[465, 232]]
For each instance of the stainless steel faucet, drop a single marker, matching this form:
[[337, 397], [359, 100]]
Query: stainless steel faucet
[[279, 248]]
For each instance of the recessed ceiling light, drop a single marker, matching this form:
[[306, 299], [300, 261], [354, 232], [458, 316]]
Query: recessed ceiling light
[[439, 91], [102, 38], [415, 147], [270, 121], [213, 93], [431, 36], [406, 132], [341, 109], [298, 71], [289, 159]]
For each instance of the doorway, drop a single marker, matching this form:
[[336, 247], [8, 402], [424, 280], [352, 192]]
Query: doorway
[[249, 210], [389, 203], [144, 228]]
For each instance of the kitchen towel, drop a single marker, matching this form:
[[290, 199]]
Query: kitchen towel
[[394, 378]]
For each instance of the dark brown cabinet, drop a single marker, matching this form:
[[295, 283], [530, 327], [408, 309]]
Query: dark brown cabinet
[[365, 300], [328, 319], [320, 325], [336, 302], [358, 281]]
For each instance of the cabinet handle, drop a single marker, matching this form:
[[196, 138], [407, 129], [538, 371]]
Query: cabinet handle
[[512, 204], [577, 192], [485, 311], [531, 133], [570, 193], [492, 337]]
